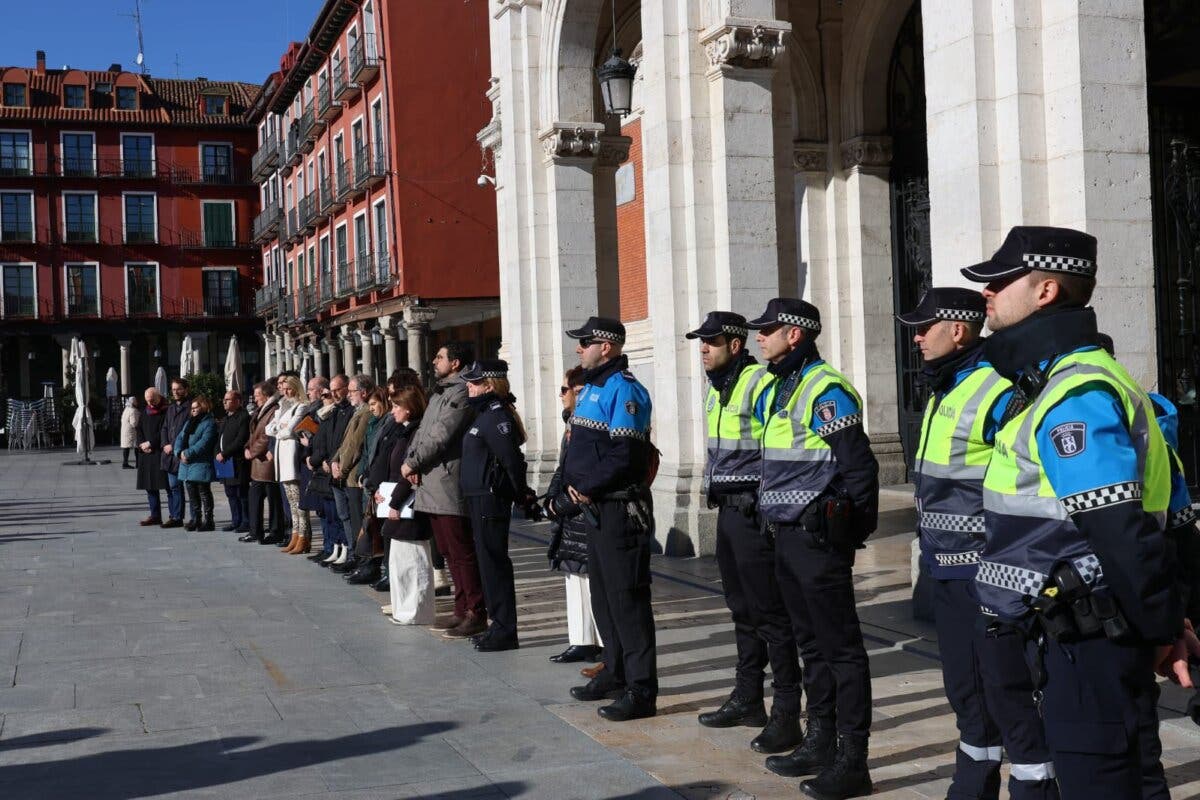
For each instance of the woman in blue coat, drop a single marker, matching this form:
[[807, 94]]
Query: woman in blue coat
[[196, 445]]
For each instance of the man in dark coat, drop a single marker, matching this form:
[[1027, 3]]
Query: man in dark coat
[[235, 433], [177, 416], [150, 475]]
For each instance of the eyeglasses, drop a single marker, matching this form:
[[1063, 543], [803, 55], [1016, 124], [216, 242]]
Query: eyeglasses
[[562, 391], [586, 343]]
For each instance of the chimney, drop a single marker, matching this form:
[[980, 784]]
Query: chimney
[[115, 68], [41, 62]]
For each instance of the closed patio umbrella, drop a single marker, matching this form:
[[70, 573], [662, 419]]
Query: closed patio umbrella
[[233, 367], [161, 383], [187, 357]]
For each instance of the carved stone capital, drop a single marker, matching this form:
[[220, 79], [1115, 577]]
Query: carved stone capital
[[867, 152], [614, 150], [572, 140], [810, 156], [747, 43], [418, 316], [504, 6]]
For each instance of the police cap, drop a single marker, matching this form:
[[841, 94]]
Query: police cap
[[947, 303], [1028, 248], [788, 311], [720, 323], [600, 329], [484, 369]]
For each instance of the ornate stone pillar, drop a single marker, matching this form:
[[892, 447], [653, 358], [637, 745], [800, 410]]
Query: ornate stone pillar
[[289, 350], [387, 326], [368, 353], [126, 376], [416, 324], [349, 357], [332, 345]]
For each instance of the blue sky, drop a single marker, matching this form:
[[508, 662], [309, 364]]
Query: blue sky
[[218, 39]]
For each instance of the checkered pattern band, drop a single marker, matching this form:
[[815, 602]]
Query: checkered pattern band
[[594, 424], [955, 523], [1089, 569], [735, 478], [960, 315], [607, 336], [1184, 516], [839, 424], [1025, 582], [493, 374], [793, 498], [1078, 266], [628, 433], [734, 330], [799, 321], [956, 559], [1104, 496]]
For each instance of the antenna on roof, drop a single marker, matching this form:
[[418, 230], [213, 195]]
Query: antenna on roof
[[178, 65], [137, 24]]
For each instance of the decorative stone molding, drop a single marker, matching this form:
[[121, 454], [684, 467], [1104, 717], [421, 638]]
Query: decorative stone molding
[[572, 140], [810, 156], [419, 316], [867, 152], [614, 150], [740, 42], [504, 6]]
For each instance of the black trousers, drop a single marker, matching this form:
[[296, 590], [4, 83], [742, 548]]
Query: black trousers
[[200, 498], [361, 545], [269, 491], [818, 590], [619, 572], [490, 517], [1101, 717], [762, 630], [989, 687]]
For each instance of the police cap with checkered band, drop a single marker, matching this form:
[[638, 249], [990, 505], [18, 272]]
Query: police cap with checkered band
[[485, 368], [788, 311], [599, 329], [1029, 248], [720, 323], [949, 303]]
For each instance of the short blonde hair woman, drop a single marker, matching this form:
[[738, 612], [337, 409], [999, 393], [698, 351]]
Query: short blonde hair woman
[[287, 469]]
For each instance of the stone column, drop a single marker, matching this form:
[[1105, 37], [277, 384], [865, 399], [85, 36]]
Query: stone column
[[740, 54], [126, 376], [368, 353], [387, 326], [332, 344], [318, 361], [268, 341], [349, 357], [289, 351], [65, 347], [416, 324]]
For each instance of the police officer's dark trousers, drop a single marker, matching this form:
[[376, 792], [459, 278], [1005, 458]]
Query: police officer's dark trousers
[[619, 573], [1100, 715], [490, 517], [818, 591], [763, 632], [988, 684]]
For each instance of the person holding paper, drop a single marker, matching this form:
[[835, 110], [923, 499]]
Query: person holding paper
[[374, 469]]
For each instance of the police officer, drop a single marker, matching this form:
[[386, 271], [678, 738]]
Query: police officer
[[819, 498], [983, 669], [745, 555], [605, 471], [1075, 502], [492, 479]]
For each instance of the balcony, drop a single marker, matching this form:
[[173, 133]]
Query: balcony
[[85, 305], [267, 298], [141, 304], [224, 306], [293, 226], [308, 213], [79, 167], [364, 59], [327, 107], [343, 288], [383, 271], [325, 195], [343, 87], [309, 302], [265, 160], [266, 224], [364, 273], [285, 310], [80, 236], [326, 286], [140, 234], [209, 240], [294, 156], [306, 132], [17, 233], [15, 165], [370, 170], [343, 185], [209, 175]]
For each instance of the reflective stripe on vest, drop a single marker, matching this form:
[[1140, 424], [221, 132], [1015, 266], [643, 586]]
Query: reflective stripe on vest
[[734, 435], [797, 464], [950, 464], [1029, 529]]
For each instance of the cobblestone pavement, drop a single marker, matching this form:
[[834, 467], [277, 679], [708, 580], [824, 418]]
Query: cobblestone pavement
[[148, 663]]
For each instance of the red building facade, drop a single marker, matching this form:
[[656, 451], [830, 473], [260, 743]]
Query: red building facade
[[126, 215], [374, 230]]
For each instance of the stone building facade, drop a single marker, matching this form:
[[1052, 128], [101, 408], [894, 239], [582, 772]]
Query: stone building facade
[[848, 151]]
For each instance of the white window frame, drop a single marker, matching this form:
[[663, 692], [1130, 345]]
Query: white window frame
[[34, 266], [29, 134], [382, 137], [62, 150], [374, 229], [274, 264], [345, 226], [32, 214], [232, 216], [290, 268], [153, 150], [125, 222], [200, 154], [95, 265], [157, 282], [325, 245], [95, 214]]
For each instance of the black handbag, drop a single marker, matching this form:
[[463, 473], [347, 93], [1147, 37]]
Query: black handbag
[[321, 485]]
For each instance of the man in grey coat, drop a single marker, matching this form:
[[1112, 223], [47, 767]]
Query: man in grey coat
[[432, 465]]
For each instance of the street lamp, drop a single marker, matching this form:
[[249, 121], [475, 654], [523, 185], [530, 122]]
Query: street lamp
[[376, 337], [616, 77]]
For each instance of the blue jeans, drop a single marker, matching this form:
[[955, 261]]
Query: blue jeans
[[155, 504], [174, 496], [236, 494], [332, 531]]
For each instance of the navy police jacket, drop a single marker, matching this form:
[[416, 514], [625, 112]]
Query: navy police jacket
[[492, 462], [610, 432]]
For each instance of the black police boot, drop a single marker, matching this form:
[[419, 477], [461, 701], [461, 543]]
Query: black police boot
[[782, 733], [629, 706], [846, 777], [598, 688], [367, 573], [736, 711], [815, 753]]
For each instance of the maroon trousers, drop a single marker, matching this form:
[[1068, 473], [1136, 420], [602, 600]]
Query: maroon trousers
[[453, 536]]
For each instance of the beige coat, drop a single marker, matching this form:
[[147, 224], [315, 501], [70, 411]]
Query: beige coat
[[129, 425], [350, 453]]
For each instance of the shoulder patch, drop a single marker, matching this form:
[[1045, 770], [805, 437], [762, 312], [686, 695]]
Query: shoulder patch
[[826, 410], [474, 431], [627, 375], [632, 407], [505, 428], [495, 406], [1069, 438], [712, 403]]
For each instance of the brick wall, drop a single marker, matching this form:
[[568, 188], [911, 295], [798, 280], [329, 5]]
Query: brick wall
[[631, 235]]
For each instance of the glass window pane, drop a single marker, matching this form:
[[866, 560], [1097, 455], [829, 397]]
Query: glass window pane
[[139, 218], [18, 290], [75, 96], [142, 289], [77, 154], [137, 155], [14, 154], [217, 159], [127, 98], [83, 296], [16, 217], [81, 217], [14, 94]]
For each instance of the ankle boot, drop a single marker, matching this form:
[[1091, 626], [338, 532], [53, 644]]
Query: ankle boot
[[303, 545], [735, 711], [343, 556], [333, 557], [781, 734], [206, 524], [206, 514], [192, 524], [846, 777], [814, 754], [365, 574], [291, 545]]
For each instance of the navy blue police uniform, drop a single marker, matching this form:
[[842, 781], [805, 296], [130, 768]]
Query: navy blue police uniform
[[608, 462]]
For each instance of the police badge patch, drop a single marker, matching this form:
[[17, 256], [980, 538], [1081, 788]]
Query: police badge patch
[[631, 406], [826, 410], [712, 403], [1069, 438], [504, 427]]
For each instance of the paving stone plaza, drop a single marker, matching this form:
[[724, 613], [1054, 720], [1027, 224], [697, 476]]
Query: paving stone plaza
[[140, 662]]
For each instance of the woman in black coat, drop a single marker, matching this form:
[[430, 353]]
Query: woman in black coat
[[410, 561], [150, 475], [235, 434], [374, 470]]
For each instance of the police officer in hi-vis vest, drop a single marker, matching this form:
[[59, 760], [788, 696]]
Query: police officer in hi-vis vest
[[1075, 508], [605, 472], [745, 555], [984, 671], [819, 499]]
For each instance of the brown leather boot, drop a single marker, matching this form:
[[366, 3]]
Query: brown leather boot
[[303, 545], [291, 546], [471, 625], [592, 671], [447, 623]]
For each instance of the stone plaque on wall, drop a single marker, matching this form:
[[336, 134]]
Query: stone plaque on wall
[[625, 186]]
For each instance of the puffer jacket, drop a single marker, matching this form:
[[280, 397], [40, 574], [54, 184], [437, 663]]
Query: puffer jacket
[[198, 441], [569, 538], [436, 449]]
